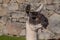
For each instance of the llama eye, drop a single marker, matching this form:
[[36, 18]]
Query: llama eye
[[33, 17]]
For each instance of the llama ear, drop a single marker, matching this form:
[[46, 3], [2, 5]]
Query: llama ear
[[39, 8], [28, 7]]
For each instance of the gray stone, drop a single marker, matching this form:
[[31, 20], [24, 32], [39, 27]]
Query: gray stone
[[1, 1], [46, 34], [20, 1], [6, 1], [14, 20], [1, 34], [57, 6], [12, 1], [50, 7], [22, 20], [5, 5], [54, 23], [22, 7], [0, 5], [3, 11], [23, 25], [12, 28], [13, 6], [23, 32], [49, 1], [56, 1], [34, 1], [17, 14], [47, 13]]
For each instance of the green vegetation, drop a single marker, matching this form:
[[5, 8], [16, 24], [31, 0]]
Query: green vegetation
[[4, 37]]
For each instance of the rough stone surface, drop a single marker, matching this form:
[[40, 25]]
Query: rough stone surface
[[55, 23], [21, 1], [13, 14], [34, 1], [50, 7], [1, 1], [56, 1], [23, 32], [45, 34], [49, 1], [3, 11], [13, 28], [12, 6], [6, 1], [57, 6]]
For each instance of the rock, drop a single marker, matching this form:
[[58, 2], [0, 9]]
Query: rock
[[1, 1], [44, 35], [57, 6], [14, 20], [20, 1], [47, 13], [3, 11], [56, 1], [0, 5], [1, 34], [22, 20], [23, 32], [6, 1], [13, 6], [49, 1], [34, 1], [13, 1], [3, 20], [22, 7], [54, 23], [23, 25], [5, 5], [1, 26], [50, 7], [13, 28], [17, 14]]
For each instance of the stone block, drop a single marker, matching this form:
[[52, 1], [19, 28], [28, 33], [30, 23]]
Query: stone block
[[45, 34], [14, 20], [6, 1], [57, 6], [50, 7], [13, 6], [13, 28], [15, 15], [34, 1], [56, 1], [20, 1], [54, 23], [49, 1], [3, 11], [23, 32], [1, 1], [22, 20], [22, 7]]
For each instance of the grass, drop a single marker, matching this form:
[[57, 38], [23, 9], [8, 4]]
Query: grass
[[4, 37]]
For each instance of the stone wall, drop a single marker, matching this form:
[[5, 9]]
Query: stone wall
[[13, 17]]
